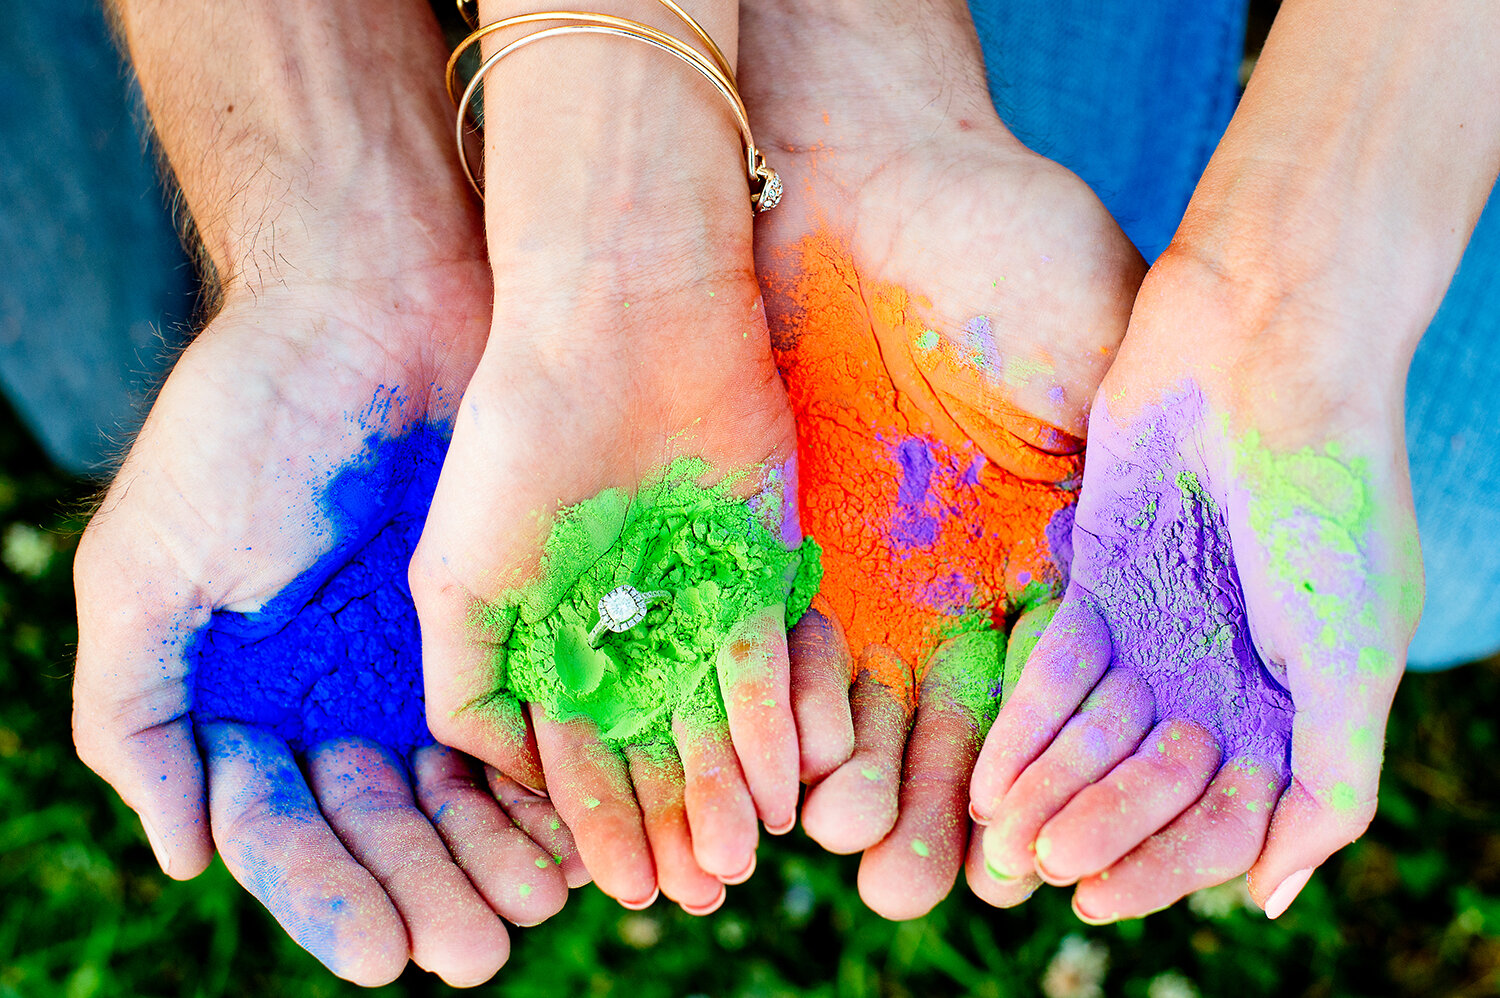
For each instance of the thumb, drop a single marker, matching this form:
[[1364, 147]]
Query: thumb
[[131, 720], [1330, 801]]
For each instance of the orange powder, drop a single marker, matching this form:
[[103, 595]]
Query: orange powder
[[925, 533]]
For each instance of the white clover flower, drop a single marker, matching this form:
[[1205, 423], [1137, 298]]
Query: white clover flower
[[1077, 969], [27, 550], [1171, 984]]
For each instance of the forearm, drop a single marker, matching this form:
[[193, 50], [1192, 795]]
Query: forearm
[[1357, 163], [920, 71], [289, 126]]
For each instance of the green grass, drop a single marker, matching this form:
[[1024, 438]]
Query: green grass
[[1412, 909]]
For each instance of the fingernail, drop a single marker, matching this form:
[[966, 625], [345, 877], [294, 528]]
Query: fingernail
[[740, 878], [782, 829], [996, 874], [642, 905], [162, 858], [977, 816], [1090, 919], [711, 907], [539, 793], [1282, 897]]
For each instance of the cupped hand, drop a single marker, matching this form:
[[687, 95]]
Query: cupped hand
[[246, 672], [628, 337], [1213, 690], [943, 303]]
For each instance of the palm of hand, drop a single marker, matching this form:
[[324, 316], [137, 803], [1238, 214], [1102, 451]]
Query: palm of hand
[[1224, 653], [235, 517], [939, 329], [678, 371]]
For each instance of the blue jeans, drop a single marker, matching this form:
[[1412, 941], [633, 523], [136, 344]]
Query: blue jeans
[[94, 290]]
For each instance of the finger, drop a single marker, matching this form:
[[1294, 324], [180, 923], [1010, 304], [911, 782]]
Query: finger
[[514, 875], [856, 806], [1106, 729], [364, 792], [534, 814], [1213, 841], [130, 711], [590, 787], [462, 672], [913, 868], [720, 813], [657, 774], [754, 676], [1063, 668], [1002, 893], [821, 670], [278, 845], [1141, 795]]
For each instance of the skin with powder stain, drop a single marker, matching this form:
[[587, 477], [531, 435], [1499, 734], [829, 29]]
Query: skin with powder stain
[[721, 561], [1187, 705]]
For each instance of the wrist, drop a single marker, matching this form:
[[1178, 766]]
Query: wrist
[[305, 148], [852, 73], [1296, 371], [612, 162]]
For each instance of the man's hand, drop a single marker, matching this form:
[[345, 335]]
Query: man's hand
[[354, 295], [943, 303]]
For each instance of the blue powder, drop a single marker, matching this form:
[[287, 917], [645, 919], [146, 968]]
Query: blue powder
[[338, 651]]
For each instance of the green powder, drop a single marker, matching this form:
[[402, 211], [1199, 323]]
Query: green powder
[[1023, 640], [966, 670], [920, 848], [1315, 514], [719, 557]]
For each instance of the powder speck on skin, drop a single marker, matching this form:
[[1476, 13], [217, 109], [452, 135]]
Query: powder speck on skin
[[922, 530], [338, 652], [920, 848], [721, 559], [1152, 556]]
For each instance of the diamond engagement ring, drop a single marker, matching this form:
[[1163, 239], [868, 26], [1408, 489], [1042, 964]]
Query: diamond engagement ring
[[622, 608]]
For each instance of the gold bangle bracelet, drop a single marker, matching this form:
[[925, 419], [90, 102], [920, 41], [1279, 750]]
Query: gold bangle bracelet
[[765, 185], [472, 19]]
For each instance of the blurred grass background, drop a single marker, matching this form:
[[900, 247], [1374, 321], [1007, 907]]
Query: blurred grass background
[[1411, 909]]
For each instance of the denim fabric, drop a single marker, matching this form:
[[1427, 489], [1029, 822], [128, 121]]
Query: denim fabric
[[94, 287], [1133, 98]]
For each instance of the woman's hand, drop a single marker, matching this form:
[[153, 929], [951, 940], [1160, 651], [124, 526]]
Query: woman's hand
[[628, 332], [943, 303], [1214, 690]]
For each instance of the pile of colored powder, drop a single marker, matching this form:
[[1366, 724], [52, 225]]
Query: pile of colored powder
[[338, 652], [1152, 553], [924, 536], [720, 559]]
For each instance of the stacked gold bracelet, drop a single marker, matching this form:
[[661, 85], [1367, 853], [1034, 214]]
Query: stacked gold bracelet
[[765, 185]]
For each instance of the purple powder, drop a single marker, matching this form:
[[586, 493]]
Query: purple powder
[[914, 521], [1152, 555], [338, 651], [1060, 539]]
